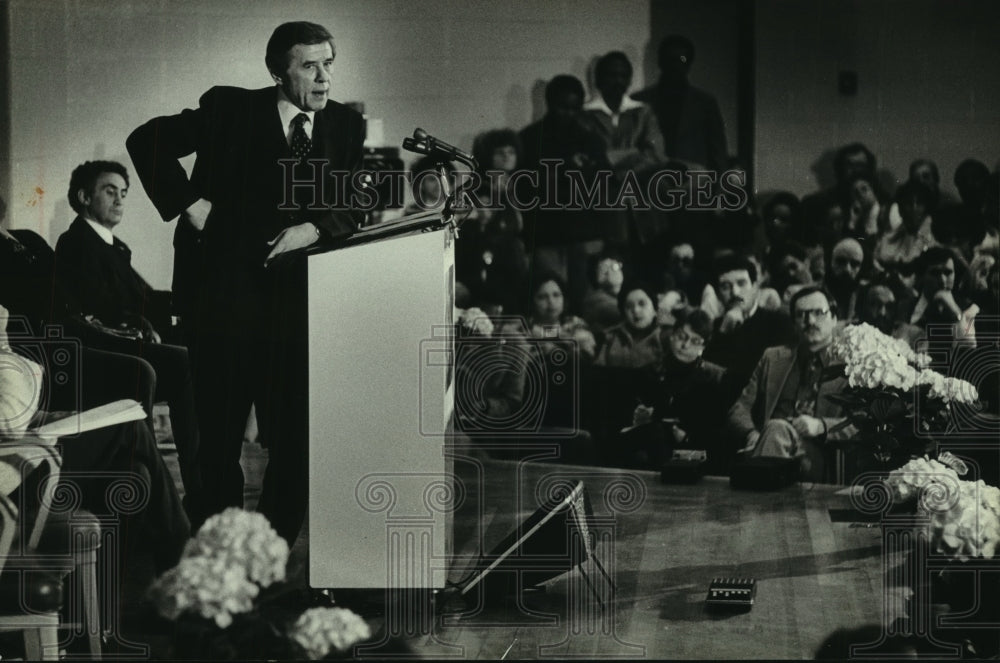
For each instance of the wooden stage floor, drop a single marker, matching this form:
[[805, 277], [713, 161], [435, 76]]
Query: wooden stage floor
[[662, 545]]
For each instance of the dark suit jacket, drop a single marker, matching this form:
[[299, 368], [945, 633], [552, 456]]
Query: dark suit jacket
[[98, 278], [756, 404], [239, 141], [739, 351], [700, 134], [26, 283]]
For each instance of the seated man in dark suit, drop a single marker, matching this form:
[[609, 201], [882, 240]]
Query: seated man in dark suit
[[746, 329], [108, 300], [128, 447], [783, 411]]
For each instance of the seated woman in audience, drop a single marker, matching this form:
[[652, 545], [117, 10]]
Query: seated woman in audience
[[505, 393], [897, 249], [550, 320], [600, 307], [683, 407], [864, 206], [635, 342]]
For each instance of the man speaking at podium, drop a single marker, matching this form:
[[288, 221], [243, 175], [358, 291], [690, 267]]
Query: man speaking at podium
[[255, 197]]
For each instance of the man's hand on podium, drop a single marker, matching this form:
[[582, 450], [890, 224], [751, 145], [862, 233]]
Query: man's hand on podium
[[291, 239]]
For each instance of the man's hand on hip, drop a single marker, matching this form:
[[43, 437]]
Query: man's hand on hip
[[291, 239], [197, 213]]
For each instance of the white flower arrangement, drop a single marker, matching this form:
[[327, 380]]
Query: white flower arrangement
[[223, 567], [244, 540], [907, 481], [475, 320], [318, 630], [873, 360], [971, 527], [206, 586]]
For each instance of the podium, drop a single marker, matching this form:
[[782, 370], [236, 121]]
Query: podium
[[381, 395]]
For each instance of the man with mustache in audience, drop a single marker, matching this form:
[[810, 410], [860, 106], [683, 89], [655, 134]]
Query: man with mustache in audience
[[746, 329], [783, 411], [261, 191]]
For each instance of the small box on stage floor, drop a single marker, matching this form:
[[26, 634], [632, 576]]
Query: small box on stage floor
[[684, 466]]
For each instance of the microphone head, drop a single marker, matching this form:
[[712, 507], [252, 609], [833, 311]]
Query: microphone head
[[419, 134]]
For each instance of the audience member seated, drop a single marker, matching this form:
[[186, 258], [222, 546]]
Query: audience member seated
[[550, 320], [926, 172], [789, 265], [972, 223], [844, 276], [878, 306], [863, 208], [505, 396], [123, 447], [636, 342], [782, 220], [93, 268], [684, 406], [29, 293], [898, 248], [670, 302], [746, 329], [686, 275], [489, 251], [820, 210], [943, 281], [606, 272], [783, 410], [560, 240]]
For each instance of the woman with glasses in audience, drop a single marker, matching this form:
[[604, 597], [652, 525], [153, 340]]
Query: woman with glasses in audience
[[683, 408]]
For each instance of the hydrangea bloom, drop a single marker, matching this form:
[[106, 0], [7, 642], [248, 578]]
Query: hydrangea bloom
[[873, 360], [971, 528], [245, 541], [475, 320], [207, 586], [318, 630], [907, 481]]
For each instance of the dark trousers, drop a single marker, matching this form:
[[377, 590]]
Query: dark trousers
[[264, 365], [173, 383], [129, 447]]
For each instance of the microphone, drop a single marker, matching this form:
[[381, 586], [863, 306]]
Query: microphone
[[436, 145]]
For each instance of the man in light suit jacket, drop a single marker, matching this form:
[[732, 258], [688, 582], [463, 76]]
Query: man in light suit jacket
[[783, 411], [260, 191]]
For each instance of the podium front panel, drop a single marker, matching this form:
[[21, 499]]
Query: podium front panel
[[380, 400]]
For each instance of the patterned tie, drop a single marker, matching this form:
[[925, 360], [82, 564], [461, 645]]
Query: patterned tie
[[301, 143]]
